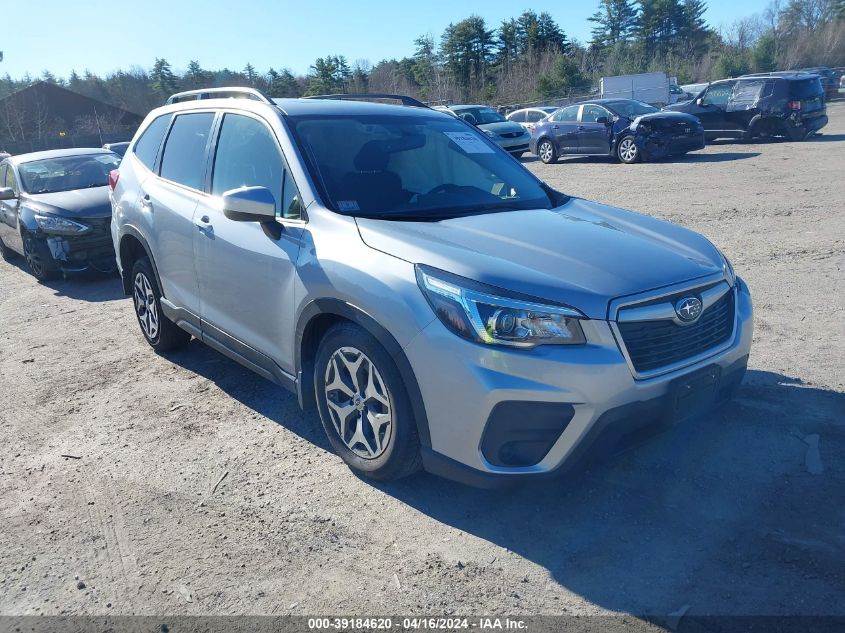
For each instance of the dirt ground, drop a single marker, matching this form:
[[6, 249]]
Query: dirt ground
[[734, 514]]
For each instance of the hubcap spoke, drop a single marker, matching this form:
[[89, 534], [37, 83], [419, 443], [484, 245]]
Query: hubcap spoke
[[359, 403]]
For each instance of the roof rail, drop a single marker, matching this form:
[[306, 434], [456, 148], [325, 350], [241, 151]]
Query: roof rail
[[220, 93], [368, 96]]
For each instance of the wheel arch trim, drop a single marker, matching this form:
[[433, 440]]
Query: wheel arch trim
[[130, 231], [344, 310]]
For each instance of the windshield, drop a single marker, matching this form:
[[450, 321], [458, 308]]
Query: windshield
[[412, 167], [631, 109], [67, 173], [479, 115]]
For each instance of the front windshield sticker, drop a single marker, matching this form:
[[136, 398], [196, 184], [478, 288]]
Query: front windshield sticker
[[348, 205], [469, 142]]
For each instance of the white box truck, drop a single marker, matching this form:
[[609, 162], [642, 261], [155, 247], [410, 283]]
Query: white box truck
[[652, 88]]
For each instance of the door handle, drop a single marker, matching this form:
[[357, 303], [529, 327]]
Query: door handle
[[203, 225], [146, 202]]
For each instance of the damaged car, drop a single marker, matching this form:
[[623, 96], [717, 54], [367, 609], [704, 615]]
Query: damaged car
[[630, 130], [55, 211]]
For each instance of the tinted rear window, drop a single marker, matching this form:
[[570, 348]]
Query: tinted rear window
[[805, 88], [184, 153], [147, 146]]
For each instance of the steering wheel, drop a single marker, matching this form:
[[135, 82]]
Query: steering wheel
[[446, 187]]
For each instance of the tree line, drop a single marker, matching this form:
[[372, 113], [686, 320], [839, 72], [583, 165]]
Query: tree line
[[525, 58]]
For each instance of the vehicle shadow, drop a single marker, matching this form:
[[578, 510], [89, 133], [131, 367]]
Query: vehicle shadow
[[718, 514], [723, 515], [825, 138], [707, 158], [93, 287], [262, 396]]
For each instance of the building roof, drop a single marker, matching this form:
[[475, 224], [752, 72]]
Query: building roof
[[61, 103]]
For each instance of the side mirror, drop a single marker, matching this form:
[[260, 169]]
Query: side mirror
[[249, 204], [7, 193], [603, 119], [699, 101]]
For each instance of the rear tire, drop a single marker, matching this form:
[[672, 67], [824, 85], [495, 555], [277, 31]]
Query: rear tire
[[546, 151], [364, 405], [39, 258], [161, 333]]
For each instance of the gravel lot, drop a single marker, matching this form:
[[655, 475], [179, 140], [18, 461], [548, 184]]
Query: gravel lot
[[736, 514]]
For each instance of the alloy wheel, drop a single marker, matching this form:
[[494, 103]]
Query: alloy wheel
[[145, 306], [32, 256], [546, 151], [628, 150], [358, 402]]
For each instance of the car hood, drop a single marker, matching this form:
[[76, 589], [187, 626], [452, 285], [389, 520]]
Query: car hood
[[502, 127], [581, 254], [79, 203], [666, 116]]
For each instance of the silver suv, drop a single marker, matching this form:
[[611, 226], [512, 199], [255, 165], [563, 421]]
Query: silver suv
[[442, 307]]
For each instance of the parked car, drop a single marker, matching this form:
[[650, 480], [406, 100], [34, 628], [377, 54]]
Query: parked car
[[55, 210], [117, 148], [773, 104], [630, 130], [530, 117], [439, 304], [691, 91], [676, 94], [4, 155], [509, 135]]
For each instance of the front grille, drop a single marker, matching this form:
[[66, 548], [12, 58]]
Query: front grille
[[655, 344], [511, 134]]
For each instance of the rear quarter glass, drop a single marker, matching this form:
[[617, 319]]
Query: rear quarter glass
[[805, 89]]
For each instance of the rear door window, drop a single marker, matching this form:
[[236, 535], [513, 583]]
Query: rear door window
[[184, 157], [536, 115], [567, 114], [518, 117], [746, 94], [146, 148]]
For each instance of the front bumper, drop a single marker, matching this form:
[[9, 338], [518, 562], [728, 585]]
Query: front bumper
[[93, 250], [659, 145], [518, 144], [464, 382]]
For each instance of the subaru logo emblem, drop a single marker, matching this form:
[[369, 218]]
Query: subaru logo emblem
[[688, 309]]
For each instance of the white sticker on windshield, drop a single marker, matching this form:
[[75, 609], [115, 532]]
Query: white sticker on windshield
[[107, 159], [348, 205], [469, 142]]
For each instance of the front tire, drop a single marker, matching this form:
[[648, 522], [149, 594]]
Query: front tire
[[627, 150], [161, 333], [39, 258], [546, 151], [364, 406]]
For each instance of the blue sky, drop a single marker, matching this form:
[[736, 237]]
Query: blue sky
[[105, 35]]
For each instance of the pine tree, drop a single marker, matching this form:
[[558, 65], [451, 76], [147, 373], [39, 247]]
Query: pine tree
[[615, 22], [250, 74], [163, 80]]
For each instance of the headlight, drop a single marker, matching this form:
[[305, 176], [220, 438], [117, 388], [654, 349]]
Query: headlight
[[468, 310], [55, 224]]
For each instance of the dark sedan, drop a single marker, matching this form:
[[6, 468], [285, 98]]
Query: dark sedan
[[630, 130], [55, 210]]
